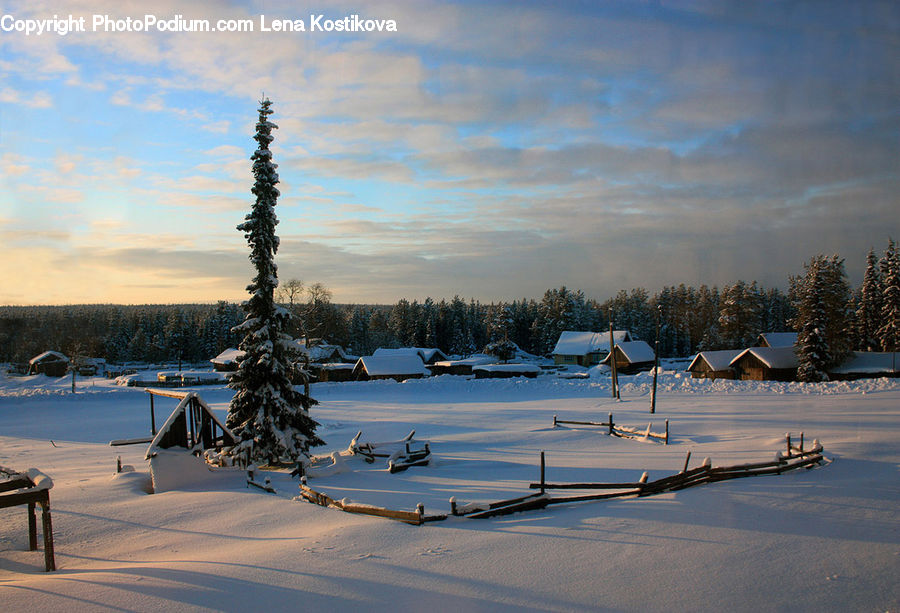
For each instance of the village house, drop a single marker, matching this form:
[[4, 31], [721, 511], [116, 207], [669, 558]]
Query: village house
[[227, 360], [50, 363], [632, 357], [398, 367], [766, 364], [585, 348], [713, 364], [427, 355]]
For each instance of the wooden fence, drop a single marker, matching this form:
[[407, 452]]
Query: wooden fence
[[796, 457], [416, 517], [616, 430]]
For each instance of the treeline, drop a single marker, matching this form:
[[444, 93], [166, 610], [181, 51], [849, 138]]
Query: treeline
[[690, 319], [830, 316]]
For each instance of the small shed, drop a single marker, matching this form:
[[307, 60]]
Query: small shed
[[632, 357], [460, 367], [427, 355], [586, 348], [323, 353], [506, 371], [336, 371], [766, 364], [776, 339], [713, 364], [398, 367], [227, 361], [50, 363]]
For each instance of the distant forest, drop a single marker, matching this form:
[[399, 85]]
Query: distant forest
[[690, 319]]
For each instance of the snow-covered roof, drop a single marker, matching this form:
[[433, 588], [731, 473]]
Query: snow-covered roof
[[473, 360], [52, 356], [637, 351], [862, 362], [426, 354], [773, 357], [778, 339], [508, 368], [403, 364], [717, 360], [582, 343], [228, 356]]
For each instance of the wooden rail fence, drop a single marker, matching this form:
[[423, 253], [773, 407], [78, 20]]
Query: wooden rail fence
[[795, 458], [616, 430]]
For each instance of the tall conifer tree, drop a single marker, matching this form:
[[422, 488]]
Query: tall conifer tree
[[268, 415], [889, 332]]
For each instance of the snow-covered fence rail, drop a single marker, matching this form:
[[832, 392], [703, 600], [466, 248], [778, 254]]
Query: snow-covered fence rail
[[31, 487], [620, 431], [796, 457], [416, 517]]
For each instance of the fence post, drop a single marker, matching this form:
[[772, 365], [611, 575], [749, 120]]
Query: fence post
[[687, 461], [787, 437], [667, 432], [542, 472], [801, 442], [554, 421], [610, 424]]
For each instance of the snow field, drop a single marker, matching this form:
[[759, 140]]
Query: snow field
[[827, 539]]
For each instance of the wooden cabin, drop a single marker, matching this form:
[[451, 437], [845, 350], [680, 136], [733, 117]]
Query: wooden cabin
[[50, 363], [397, 367], [336, 371], [632, 357], [227, 361], [766, 364], [460, 367], [713, 364], [427, 355], [586, 348]]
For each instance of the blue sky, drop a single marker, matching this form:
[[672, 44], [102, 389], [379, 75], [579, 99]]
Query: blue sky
[[490, 150]]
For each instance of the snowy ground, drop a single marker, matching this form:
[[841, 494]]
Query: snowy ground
[[821, 540]]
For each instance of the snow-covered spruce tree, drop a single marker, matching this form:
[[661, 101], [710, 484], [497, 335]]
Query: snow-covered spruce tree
[[267, 414], [889, 332], [821, 297], [868, 312]]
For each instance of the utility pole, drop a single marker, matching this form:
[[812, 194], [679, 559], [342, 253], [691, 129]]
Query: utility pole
[[655, 362], [612, 359]]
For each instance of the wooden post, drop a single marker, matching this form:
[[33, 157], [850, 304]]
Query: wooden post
[[667, 432], [32, 528], [801, 442], [612, 359], [118, 463], [655, 364], [687, 461], [47, 526], [542, 472], [554, 421], [610, 424], [152, 417], [73, 380], [453, 509], [787, 437], [420, 511]]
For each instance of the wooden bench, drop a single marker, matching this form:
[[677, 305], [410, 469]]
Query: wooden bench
[[31, 488]]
